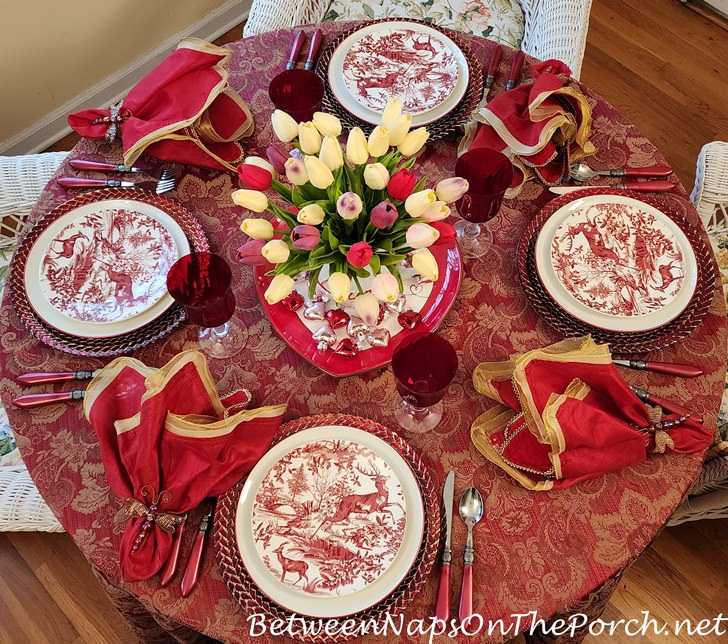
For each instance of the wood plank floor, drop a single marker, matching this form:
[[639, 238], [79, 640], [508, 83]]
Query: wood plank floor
[[660, 65]]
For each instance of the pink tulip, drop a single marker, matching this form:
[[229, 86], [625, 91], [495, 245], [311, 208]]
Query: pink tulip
[[250, 253], [277, 157], [305, 237], [255, 177], [383, 215], [359, 255]]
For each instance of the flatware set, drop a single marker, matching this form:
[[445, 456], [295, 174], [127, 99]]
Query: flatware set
[[165, 184], [582, 172], [637, 186]]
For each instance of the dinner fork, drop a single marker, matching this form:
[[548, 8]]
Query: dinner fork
[[143, 168], [167, 182]]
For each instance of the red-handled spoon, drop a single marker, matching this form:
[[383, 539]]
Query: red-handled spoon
[[316, 40], [170, 566], [43, 377], [192, 570], [48, 398], [667, 405], [296, 49], [669, 368], [471, 511], [582, 172], [515, 72]]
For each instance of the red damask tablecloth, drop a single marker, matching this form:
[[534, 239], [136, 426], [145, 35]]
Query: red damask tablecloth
[[543, 551]]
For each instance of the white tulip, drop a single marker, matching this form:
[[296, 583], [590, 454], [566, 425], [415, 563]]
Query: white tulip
[[284, 126]]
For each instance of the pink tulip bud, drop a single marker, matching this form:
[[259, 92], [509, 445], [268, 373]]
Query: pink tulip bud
[[359, 255], [250, 253], [305, 237], [277, 157], [367, 308], [349, 206], [383, 215]]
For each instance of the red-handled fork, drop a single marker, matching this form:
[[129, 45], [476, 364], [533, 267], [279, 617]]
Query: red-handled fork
[[98, 166]]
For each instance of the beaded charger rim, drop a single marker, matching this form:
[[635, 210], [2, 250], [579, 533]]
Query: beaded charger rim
[[116, 345], [252, 600], [439, 129], [619, 342]]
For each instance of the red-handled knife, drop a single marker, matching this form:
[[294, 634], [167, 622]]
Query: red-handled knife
[[313, 50], [666, 405], [170, 566], [192, 571], [442, 608], [637, 186], [42, 377], [515, 72], [36, 400], [670, 368], [296, 49]]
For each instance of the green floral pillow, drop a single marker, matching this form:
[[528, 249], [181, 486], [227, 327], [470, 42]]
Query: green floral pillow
[[720, 246], [499, 20]]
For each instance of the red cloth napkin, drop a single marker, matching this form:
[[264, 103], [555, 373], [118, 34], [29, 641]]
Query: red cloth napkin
[[566, 415], [168, 440], [182, 111], [543, 126]]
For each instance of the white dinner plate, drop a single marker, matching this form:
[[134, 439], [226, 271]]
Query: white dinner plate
[[329, 522], [414, 62], [100, 270], [616, 263]]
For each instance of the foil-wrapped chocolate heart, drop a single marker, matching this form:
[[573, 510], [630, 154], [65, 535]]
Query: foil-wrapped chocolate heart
[[337, 318], [314, 311], [347, 348], [379, 338], [399, 305], [357, 327], [325, 337], [293, 302], [409, 319], [321, 294]]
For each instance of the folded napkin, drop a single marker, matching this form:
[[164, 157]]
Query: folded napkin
[[182, 111], [168, 441], [543, 126], [566, 415]]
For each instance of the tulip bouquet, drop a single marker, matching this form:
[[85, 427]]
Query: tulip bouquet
[[359, 212]]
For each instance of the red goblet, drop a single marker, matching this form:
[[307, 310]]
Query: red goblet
[[424, 365], [202, 283], [489, 174]]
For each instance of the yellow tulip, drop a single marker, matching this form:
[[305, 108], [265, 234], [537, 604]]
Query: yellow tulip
[[313, 214], [276, 251], [392, 111], [331, 153], [327, 124], [413, 142], [425, 264], [399, 129], [257, 228], [318, 174], [280, 287], [450, 190], [437, 211], [284, 126], [418, 202], [309, 138], [339, 286], [376, 176], [356, 147], [378, 142], [251, 199]]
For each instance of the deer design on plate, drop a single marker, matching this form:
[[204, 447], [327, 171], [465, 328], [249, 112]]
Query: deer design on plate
[[294, 566], [424, 44], [367, 504]]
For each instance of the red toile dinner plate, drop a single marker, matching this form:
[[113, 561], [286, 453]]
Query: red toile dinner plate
[[250, 597], [143, 326], [623, 342], [297, 332]]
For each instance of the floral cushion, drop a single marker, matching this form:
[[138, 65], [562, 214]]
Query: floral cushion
[[9, 454], [499, 20], [719, 239]]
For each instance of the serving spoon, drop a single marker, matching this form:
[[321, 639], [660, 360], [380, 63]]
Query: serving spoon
[[582, 172], [471, 511]]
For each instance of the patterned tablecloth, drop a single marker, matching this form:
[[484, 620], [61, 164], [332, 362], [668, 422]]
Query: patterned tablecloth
[[535, 551]]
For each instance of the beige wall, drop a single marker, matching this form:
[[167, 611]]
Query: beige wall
[[54, 50]]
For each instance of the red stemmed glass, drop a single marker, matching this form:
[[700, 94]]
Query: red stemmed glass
[[424, 365], [489, 174], [202, 283]]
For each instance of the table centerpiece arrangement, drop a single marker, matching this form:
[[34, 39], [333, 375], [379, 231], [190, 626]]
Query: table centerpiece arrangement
[[356, 230]]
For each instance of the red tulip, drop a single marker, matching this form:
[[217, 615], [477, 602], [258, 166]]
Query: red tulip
[[359, 255], [277, 158], [447, 232], [383, 215], [402, 184], [255, 177], [250, 253], [305, 237]]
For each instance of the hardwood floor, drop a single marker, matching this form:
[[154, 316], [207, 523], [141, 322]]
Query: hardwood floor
[[659, 64]]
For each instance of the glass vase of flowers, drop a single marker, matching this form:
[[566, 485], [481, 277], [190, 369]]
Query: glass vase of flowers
[[356, 213]]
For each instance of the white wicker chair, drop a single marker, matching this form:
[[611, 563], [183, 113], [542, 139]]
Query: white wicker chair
[[552, 29], [21, 181], [710, 194]]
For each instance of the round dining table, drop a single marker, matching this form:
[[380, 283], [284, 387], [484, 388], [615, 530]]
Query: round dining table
[[551, 553]]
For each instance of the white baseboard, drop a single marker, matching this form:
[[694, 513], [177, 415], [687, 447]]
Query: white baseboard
[[54, 126]]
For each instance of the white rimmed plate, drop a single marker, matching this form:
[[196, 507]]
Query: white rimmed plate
[[414, 62], [329, 522], [616, 263], [100, 270]]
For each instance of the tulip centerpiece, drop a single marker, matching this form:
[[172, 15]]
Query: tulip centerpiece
[[353, 217]]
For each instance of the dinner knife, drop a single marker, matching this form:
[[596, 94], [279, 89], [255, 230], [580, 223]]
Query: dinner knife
[[637, 186], [170, 566], [84, 182], [442, 609], [313, 50], [495, 60], [666, 405], [42, 377], [36, 400], [515, 72], [670, 368], [192, 571]]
